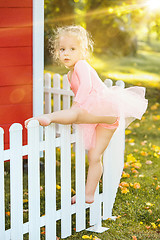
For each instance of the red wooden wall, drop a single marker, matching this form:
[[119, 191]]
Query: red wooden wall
[[15, 63]]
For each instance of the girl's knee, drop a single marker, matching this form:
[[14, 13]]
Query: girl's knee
[[94, 157], [79, 114], [75, 113]]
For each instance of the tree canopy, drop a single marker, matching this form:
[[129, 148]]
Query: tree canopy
[[114, 24]]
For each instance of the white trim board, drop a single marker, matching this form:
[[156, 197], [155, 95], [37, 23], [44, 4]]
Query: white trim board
[[38, 56]]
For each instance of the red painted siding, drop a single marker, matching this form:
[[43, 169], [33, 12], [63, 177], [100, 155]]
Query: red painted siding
[[13, 37], [13, 113], [15, 56], [16, 17], [15, 94], [15, 75], [16, 85], [16, 3]]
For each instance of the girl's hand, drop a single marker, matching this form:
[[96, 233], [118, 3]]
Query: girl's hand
[[44, 120]]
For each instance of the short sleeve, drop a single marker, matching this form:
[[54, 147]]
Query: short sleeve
[[82, 70]]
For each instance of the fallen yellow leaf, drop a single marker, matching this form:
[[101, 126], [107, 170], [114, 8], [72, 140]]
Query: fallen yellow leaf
[[125, 190], [143, 153], [127, 132], [131, 158], [137, 165], [126, 165], [149, 204], [150, 211], [58, 187], [8, 213], [134, 238], [73, 191], [123, 184], [87, 237], [136, 185], [125, 175], [153, 225]]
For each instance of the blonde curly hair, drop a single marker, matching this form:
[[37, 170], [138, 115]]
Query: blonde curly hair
[[82, 35]]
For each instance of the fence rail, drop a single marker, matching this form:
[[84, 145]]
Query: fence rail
[[113, 156]]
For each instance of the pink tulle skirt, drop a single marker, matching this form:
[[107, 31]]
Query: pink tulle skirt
[[128, 103]]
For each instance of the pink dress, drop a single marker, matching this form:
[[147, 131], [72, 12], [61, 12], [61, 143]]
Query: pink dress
[[95, 97]]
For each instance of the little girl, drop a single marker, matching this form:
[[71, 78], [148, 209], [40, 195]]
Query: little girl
[[95, 107]]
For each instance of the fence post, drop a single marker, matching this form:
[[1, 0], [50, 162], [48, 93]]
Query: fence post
[[34, 180], [113, 162], [16, 181], [96, 215], [50, 182], [2, 200]]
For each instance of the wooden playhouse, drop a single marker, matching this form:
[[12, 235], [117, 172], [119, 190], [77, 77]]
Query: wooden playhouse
[[21, 62]]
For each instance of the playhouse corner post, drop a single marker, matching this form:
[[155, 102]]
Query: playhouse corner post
[[38, 56]]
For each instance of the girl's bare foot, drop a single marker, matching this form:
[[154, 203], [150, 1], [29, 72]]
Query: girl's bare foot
[[88, 199], [44, 120], [73, 199]]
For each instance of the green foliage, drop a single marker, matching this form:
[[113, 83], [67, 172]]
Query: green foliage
[[114, 25]]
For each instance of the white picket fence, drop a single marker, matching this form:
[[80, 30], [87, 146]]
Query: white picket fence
[[113, 160]]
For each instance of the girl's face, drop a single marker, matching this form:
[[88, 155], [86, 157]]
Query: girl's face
[[70, 50]]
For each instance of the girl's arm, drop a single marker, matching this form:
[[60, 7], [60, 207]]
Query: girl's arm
[[82, 71]]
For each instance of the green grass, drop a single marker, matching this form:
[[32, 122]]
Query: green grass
[[138, 209]]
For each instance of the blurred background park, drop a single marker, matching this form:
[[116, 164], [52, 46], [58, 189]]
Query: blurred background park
[[126, 36]]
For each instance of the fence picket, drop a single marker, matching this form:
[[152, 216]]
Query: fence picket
[[65, 181], [56, 97], [94, 211], [34, 180], [2, 200], [50, 182], [66, 98], [47, 96], [16, 181], [108, 82], [80, 181]]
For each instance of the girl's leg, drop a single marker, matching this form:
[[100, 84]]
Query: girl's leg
[[73, 115], [103, 137]]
